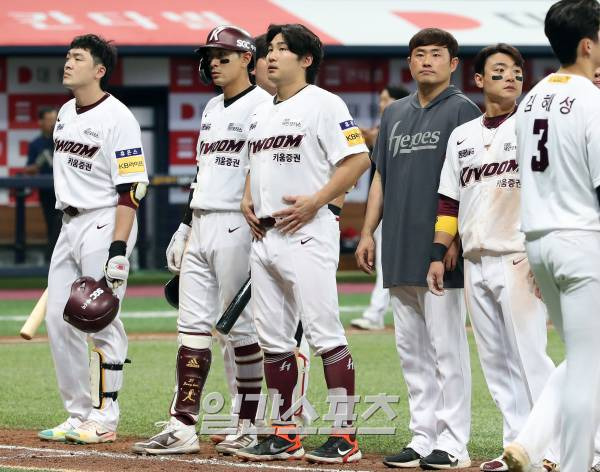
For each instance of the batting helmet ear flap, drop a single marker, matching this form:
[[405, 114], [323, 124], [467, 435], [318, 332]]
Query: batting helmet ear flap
[[204, 70]]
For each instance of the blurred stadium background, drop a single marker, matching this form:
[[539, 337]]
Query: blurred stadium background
[[366, 45]]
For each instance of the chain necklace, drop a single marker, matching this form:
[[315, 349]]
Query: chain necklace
[[495, 130]]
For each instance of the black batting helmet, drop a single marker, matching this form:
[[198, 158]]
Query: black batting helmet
[[225, 37], [92, 305], [172, 292]]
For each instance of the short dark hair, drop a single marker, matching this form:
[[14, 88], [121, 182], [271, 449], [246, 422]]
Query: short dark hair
[[103, 52], [45, 109], [567, 23], [503, 48], [397, 91], [434, 37], [302, 42], [261, 46]]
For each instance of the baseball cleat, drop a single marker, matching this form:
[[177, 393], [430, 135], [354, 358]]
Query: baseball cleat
[[516, 458], [242, 438], [495, 465], [57, 433], [407, 459], [366, 324], [91, 432], [440, 460], [550, 466], [278, 446], [338, 449], [175, 438]]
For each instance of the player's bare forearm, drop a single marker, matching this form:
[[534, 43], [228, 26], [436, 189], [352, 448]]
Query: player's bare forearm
[[374, 206], [123, 223], [247, 208], [344, 177], [443, 238]]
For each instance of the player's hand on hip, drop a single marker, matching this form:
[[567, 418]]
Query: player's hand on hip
[[451, 258], [365, 253], [435, 278], [176, 248], [116, 269], [302, 209], [256, 229]]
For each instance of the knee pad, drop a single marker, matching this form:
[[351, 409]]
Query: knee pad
[[106, 379]]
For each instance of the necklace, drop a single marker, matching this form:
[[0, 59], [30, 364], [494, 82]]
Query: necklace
[[495, 129]]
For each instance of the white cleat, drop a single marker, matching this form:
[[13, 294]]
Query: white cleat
[[243, 437], [91, 432], [366, 324], [175, 438]]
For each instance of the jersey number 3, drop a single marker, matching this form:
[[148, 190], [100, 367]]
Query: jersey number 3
[[539, 164]]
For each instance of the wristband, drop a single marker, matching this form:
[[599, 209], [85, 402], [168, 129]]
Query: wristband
[[117, 248], [438, 251]]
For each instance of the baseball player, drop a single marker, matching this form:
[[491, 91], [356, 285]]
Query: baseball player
[[211, 247], [304, 151], [303, 352], [479, 198], [430, 331], [99, 179], [558, 151]]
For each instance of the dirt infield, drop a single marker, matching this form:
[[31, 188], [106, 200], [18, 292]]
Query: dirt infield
[[22, 448]]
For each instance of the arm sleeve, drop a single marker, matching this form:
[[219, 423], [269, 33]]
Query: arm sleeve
[[337, 133], [127, 161], [449, 178]]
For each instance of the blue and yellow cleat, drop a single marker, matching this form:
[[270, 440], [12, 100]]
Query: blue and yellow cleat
[[57, 433]]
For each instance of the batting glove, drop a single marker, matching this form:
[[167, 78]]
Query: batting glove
[[176, 248], [116, 268]]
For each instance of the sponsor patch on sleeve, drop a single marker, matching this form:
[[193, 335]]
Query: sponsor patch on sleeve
[[354, 136], [347, 124], [130, 161], [559, 79]]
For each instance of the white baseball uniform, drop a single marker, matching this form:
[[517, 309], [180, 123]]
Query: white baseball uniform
[[215, 263], [96, 148], [294, 146], [559, 161], [509, 322]]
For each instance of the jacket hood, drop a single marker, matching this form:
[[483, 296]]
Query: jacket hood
[[448, 92]]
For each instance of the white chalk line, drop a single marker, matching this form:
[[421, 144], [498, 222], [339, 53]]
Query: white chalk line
[[141, 315], [216, 462]]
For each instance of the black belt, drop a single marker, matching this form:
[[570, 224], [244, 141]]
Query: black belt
[[269, 221], [71, 211]]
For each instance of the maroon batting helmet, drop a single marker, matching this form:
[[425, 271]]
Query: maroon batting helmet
[[225, 37], [92, 305]]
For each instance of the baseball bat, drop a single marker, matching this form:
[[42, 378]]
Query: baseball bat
[[34, 320], [235, 308]]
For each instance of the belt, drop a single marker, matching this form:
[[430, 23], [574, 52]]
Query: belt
[[71, 211], [268, 222]]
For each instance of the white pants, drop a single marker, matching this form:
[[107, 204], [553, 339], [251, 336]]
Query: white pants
[[566, 267], [432, 343], [293, 277], [380, 297], [213, 269], [82, 250], [509, 324]]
